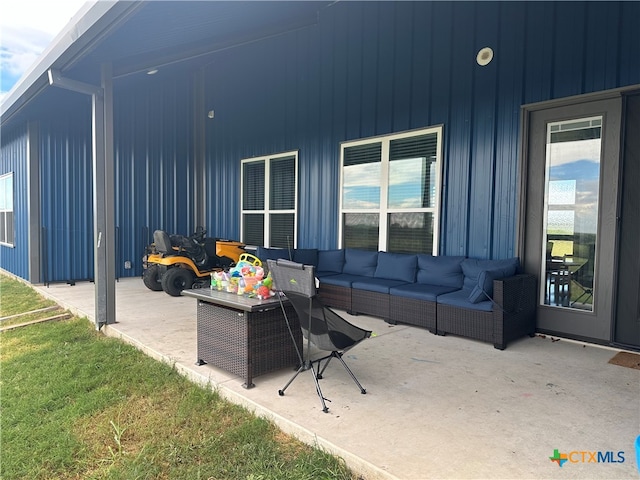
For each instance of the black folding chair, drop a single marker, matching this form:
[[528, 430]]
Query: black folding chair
[[320, 325]]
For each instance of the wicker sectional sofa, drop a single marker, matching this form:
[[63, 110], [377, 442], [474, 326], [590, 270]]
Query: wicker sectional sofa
[[487, 300]]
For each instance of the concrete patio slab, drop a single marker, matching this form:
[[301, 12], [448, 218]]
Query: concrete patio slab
[[436, 407]]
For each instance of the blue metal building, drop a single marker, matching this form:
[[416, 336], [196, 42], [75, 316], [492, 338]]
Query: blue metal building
[[242, 80]]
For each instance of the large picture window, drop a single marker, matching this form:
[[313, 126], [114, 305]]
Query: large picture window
[[269, 200], [390, 192], [6, 210]]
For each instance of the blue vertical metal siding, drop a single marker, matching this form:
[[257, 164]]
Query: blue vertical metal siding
[[627, 67], [458, 131], [372, 68], [568, 59], [155, 164], [66, 196], [14, 160], [155, 175], [483, 146], [509, 91], [602, 50]]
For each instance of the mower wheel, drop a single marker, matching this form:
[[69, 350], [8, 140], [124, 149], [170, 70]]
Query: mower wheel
[[177, 279], [151, 278]]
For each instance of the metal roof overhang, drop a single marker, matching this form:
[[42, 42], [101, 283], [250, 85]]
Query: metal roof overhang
[[92, 23], [135, 36]]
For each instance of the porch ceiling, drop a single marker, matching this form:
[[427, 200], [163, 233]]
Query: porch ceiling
[[137, 36], [167, 33]]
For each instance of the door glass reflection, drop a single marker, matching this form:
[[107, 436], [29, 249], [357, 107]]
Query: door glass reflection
[[572, 184]]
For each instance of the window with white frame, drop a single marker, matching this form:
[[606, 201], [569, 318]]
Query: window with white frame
[[390, 192], [6, 210], [269, 200]]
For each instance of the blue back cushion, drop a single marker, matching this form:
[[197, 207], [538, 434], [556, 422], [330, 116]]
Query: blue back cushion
[[442, 271], [396, 266], [360, 262], [472, 267], [306, 256], [330, 260], [484, 287]]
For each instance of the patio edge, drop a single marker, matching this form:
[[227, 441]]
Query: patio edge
[[357, 464]]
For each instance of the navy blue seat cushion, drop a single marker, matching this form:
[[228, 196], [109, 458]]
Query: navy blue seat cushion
[[339, 279], [480, 274], [360, 262], [420, 291], [396, 266], [306, 256], [460, 298], [330, 261], [442, 271], [380, 285]]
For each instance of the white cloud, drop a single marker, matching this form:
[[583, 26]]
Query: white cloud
[[27, 27], [43, 15], [21, 47]]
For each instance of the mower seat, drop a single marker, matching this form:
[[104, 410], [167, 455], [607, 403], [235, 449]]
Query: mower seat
[[162, 241]]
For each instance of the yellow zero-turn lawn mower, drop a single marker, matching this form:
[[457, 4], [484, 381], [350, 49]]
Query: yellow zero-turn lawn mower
[[175, 262]]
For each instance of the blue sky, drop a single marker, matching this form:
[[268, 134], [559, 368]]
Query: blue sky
[[27, 27]]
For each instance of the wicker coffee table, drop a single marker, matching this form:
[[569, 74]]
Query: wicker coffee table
[[244, 336]]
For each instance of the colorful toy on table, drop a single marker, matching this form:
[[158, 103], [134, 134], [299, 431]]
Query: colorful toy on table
[[232, 287], [219, 281], [245, 276], [263, 292], [244, 279], [264, 288]]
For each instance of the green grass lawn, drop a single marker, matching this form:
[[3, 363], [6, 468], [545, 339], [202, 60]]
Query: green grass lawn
[[18, 298], [79, 405]]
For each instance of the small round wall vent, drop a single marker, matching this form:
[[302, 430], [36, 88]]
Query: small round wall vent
[[485, 55]]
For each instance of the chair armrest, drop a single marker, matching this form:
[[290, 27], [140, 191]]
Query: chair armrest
[[515, 294], [514, 310]]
